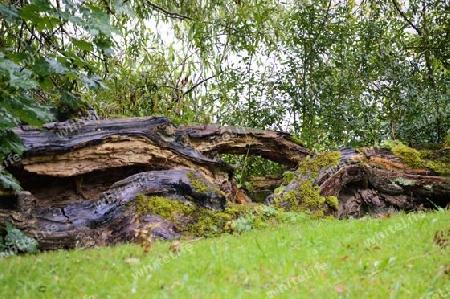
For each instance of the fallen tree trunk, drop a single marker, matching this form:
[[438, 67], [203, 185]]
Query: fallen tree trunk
[[367, 181], [108, 219], [81, 179]]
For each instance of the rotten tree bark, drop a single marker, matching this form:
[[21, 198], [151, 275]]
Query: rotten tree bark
[[79, 177], [372, 181]]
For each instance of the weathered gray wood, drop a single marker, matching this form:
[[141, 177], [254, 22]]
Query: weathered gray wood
[[77, 147], [108, 219]]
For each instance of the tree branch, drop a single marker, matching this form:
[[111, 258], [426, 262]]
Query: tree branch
[[403, 15], [198, 84], [168, 13]]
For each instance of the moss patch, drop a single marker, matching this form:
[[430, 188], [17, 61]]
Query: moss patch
[[319, 162], [310, 195], [409, 155], [278, 190], [306, 196], [437, 159], [188, 218], [161, 206], [200, 186], [193, 220], [295, 139], [332, 201], [288, 176]]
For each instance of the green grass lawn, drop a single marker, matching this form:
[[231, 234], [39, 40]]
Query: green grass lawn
[[373, 258]]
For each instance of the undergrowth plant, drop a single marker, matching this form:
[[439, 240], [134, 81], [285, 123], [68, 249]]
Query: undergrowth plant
[[16, 241]]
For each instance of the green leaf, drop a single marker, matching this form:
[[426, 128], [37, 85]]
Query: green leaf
[[48, 23], [83, 45], [30, 12], [35, 116], [9, 142], [70, 99], [92, 82], [44, 5], [46, 84], [57, 67], [8, 181], [20, 79], [7, 120], [10, 12], [191, 32], [41, 67]]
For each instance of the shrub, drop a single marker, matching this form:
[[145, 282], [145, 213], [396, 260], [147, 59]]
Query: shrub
[[16, 241]]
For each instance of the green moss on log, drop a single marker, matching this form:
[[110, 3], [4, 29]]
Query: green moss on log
[[313, 166], [305, 196], [408, 155], [295, 139], [162, 206], [200, 186], [288, 176], [437, 159]]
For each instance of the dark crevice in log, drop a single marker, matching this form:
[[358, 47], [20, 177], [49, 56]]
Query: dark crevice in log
[[9, 202], [262, 187], [58, 191]]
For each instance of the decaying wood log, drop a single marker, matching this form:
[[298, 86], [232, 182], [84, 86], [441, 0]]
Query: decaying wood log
[[75, 148], [108, 219], [373, 181], [271, 145], [80, 178]]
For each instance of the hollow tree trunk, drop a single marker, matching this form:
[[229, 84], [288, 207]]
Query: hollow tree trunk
[[81, 178]]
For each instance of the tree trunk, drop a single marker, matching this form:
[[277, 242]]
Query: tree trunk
[[80, 178]]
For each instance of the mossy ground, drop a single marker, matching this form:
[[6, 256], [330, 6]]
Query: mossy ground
[[313, 259], [193, 220]]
